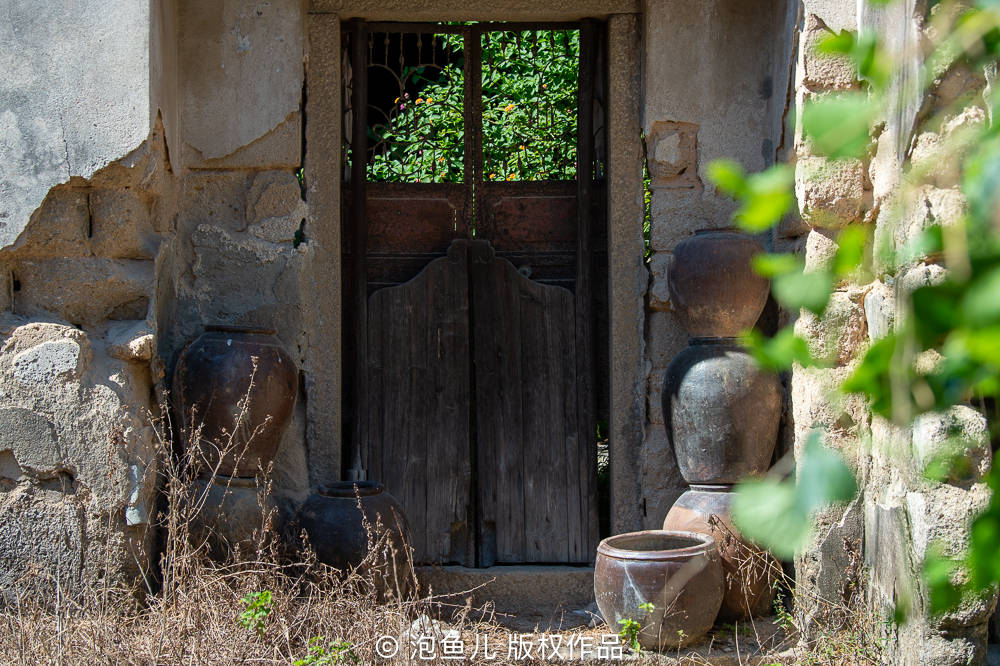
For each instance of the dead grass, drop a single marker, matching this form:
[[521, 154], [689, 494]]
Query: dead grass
[[195, 614]]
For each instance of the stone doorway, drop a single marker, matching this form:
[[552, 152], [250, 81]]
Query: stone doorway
[[476, 404]]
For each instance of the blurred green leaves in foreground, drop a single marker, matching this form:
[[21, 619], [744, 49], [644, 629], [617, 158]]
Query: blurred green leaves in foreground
[[944, 349]]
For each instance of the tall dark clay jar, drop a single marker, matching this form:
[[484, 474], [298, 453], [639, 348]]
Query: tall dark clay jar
[[712, 285], [721, 412], [750, 572], [334, 519], [235, 390]]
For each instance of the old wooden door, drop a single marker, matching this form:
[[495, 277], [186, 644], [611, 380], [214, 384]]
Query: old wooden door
[[471, 326]]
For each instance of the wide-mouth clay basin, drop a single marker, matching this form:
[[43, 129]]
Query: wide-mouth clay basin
[[679, 573]]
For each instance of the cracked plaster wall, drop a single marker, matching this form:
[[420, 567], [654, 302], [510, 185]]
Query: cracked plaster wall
[[152, 192], [716, 77]]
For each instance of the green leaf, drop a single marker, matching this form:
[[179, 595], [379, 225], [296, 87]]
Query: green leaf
[[981, 305], [838, 125], [824, 477], [769, 265], [767, 197], [938, 575], [851, 246], [767, 513], [803, 290], [871, 377], [935, 313], [728, 176], [779, 352], [838, 42]]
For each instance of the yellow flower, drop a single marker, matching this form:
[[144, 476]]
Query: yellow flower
[[522, 147], [396, 101], [492, 176], [508, 108], [510, 177], [430, 100], [420, 100]]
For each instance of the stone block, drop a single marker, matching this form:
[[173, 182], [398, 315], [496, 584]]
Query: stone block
[[238, 276], [962, 434], [218, 198], [937, 155], [831, 193], [58, 227], [30, 440], [666, 338], [880, 310], [921, 645], [823, 71], [84, 291], [121, 226], [42, 536], [942, 516], [660, 479], [961, 85], [920, 275], [821, 247], [673, 155], [275, 209], [837, 336], [826, 569], [658, 294], [930, 206], [52, 362], [818, 403], [678, 213], [130, 341]]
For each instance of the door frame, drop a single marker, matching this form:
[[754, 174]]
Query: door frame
[[626, 271]]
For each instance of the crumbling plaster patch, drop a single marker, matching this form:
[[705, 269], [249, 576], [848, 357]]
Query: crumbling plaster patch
[[49, 131], [241, 70]]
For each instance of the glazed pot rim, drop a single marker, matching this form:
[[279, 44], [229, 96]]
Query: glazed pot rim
[[350, 489], [232, 481], [230, 328], [704, 544], [721, 230], [712, 487], [721, 341]]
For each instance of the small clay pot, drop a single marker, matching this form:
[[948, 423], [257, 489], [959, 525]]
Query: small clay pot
[[712, 285], [334, 519], [235, 390], [680, 573], [750, 572], [721, 412]]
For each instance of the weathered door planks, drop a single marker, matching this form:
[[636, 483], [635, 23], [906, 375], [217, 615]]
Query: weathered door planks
[[417, 415]]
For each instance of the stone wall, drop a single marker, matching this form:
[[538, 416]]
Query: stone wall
[[898, 513]]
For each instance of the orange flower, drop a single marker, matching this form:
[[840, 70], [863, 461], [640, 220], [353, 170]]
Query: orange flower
[[420, 100], [510, 177], [508, 108], [492, 176]]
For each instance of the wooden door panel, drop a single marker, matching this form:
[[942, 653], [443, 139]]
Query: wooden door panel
[[531, 504], [417, 417]]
